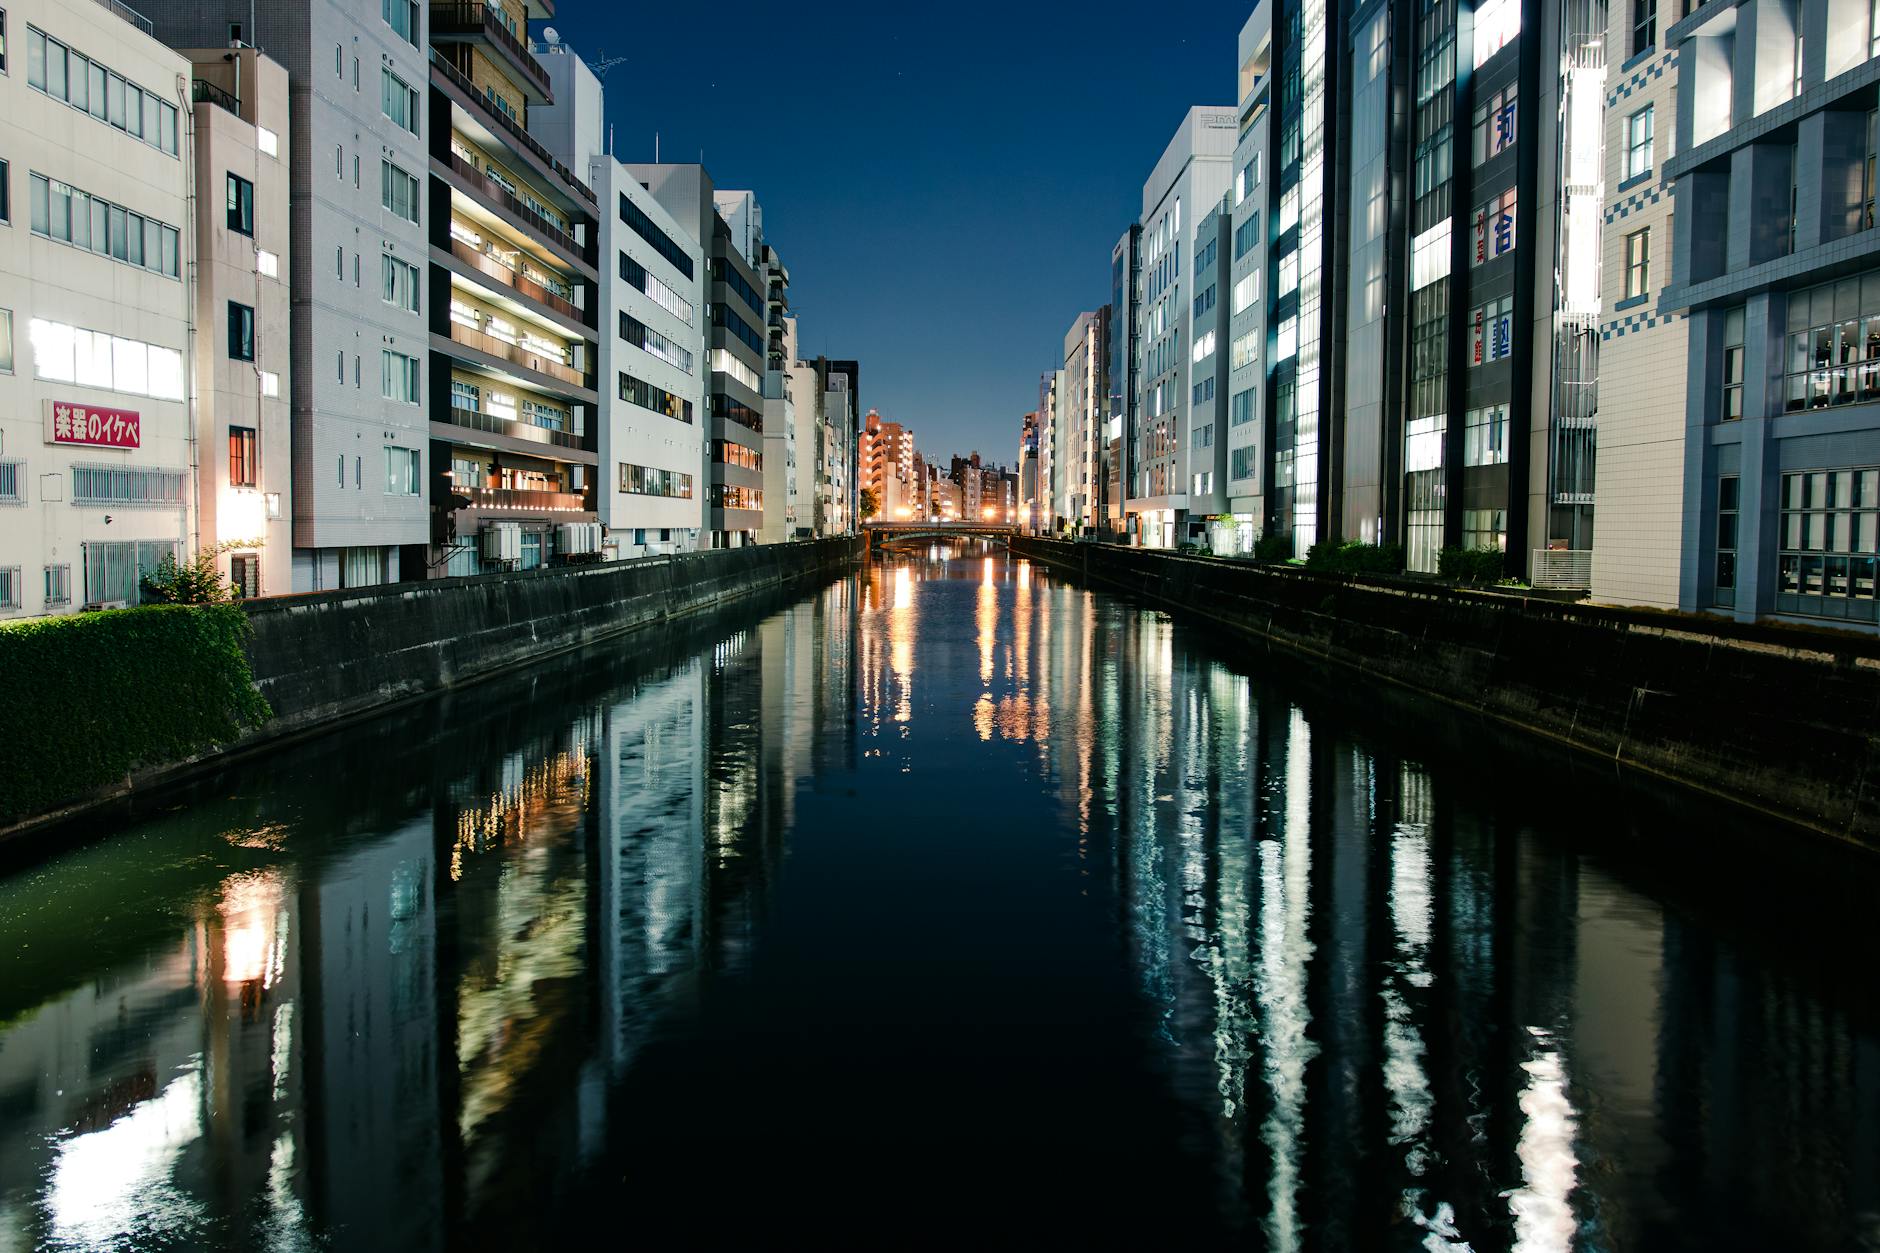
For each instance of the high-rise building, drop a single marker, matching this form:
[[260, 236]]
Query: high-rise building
[[359, 155], [1207, 376], [652, 437], [782, 521], [1120, 420], [887, 467], [1183, 190], [1086, 410], [1776, 266], [96, 451], [1027, 484], [243, 361], [1052, 440], [1246, 244]]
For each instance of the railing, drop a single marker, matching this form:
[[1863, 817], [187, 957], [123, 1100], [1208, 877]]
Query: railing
[[483, 263], [515, 428], [201, 90], [461, 82], [515, 354], [503, 196], [480, 19], [132, 16], [524, 499], [1570, 568]]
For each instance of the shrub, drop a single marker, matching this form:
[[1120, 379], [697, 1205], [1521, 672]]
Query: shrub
[[1273, 547], [1471, 565], [1352, 557], [97, 695]]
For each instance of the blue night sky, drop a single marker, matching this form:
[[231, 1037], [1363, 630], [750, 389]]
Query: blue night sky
[[944, 182]]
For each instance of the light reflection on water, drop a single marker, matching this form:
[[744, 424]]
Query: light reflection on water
[[951, 866]]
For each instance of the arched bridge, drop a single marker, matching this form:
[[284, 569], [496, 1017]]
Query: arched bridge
[[881, 532]]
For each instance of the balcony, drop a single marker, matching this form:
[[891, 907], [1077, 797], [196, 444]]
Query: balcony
[[201, 91], [517, 355], [494, 192], [508, 125], [487, 265], [514, 428], [523, 500], [130, 15], [452, 23]]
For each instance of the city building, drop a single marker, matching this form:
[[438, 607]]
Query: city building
[[97, 455], [1182, 191], [1051, 440], [514, 235], [782, 522], [887, 467], [822, 393], [1207, 382], [358, 155], [1247, 401], [1776, 265], [1086, 410], [243, 360], [1120, 419], [1028, 488], [652, 441]]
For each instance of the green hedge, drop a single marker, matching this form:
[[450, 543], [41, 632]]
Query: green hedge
[[1352, 557], [1471, 565], [93, 696]]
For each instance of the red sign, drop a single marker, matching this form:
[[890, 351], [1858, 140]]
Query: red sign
[[68, 422]]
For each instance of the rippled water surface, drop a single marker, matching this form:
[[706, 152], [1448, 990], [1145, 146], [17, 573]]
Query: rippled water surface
[[954, 904]]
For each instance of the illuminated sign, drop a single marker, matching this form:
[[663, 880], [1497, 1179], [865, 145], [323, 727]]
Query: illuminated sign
[[68, 422]]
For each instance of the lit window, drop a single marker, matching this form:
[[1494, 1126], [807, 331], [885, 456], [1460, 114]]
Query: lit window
[[1638, 263], [1638, 143]]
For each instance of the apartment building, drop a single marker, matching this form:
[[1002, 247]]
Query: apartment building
[[653, 437], [782, 521], [825, 396], [1086, 411], [1243, 436], [357, 155], [1186, 185], [97, 454], [887, 467], [1052, 439], [1776, 265], [1120, 375], [243, 342], [1208, 355]]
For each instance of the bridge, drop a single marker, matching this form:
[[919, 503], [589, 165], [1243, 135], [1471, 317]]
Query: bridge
[[878, 533]]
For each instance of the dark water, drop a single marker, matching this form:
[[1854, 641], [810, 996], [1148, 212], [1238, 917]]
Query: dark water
[[953, 905]]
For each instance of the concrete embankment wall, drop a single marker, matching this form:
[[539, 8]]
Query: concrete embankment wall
[[1782, 719], [321, 658], [332, 655]]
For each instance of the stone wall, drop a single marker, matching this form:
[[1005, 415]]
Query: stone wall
[[329, 655], [1779, 718]]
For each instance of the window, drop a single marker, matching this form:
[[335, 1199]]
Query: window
[[644, 226], [3, 41], [1246, 291], [6, 187], [398, 192], [1733, 364], [243, 465], [58, 585], [1727, 501], [401, 283], [1494, 228], [654, 344], [9, 587], [1485, 436], [124, 485], [401, 471], [723, 362], [1644, 26], [725, 496], [73, 78], [244, 575], [726, 452], [1828, 542], [650, 481], [398, 377], [63, 212], [1204, 391], [241, 332], [1203, 436], [401, 16], [241, 205], [646, 396], [1493, 132], [1242, 409], [12, 482], [267, 264], [1205, 301], [662, 295], [1497, 22], [1246, 235], [69, 354], [1638, 143], [1638, 264], [113, 570], [1203, 347], [398, 101], [1493, 325], [6, 341], [1429, 255], [267, 141]]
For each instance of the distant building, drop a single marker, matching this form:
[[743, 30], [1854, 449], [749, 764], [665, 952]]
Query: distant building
[[887, 467], [1086, 408]]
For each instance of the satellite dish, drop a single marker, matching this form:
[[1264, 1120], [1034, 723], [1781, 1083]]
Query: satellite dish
[[553, 37]]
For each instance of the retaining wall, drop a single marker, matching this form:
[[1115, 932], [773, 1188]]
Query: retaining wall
[[1783, 719]]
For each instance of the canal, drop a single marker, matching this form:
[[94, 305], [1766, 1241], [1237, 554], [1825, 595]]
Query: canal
[[951, 904]]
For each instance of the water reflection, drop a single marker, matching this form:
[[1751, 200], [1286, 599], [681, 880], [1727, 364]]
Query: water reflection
[[969, 888]]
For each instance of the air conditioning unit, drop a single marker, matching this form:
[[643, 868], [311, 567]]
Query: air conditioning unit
[[502, 541], [580, 537]]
